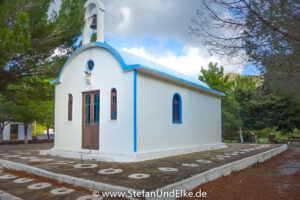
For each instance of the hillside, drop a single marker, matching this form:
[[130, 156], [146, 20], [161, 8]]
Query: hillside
[[258, 79]]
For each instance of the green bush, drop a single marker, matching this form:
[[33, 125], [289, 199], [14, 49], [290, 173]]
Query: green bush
[[226, 141], [38, 129], [281, 137], [262, 140], [264, 133]]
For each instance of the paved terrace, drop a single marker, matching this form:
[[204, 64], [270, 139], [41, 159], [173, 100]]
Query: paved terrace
[[148, 175]]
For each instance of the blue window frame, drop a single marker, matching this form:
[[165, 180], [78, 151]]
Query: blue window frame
[[113, 108], [96, 108], [87, 108], [176, 109], [90, 65]]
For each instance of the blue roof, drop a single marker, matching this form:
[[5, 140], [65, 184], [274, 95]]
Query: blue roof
[[131, 62]]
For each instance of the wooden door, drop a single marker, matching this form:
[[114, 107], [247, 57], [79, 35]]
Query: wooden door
[[90, 119], [14, 130]]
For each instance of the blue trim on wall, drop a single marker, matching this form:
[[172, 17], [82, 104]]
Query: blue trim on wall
[[156, 69], [134, 111], [180, 79], [94, 44], [180, 110]]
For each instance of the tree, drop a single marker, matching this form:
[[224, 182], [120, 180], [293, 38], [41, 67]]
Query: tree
[[286, 114], [45, 106], [258, 111], [215, 77], [273, 111], [29, 96], [244, 90], [26, 113], [47, 117], [230, 117], [266, 33], [46, 113], [29, 36], [245, 108]]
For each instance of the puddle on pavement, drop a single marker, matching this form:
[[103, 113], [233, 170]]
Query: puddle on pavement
[[290, 168]]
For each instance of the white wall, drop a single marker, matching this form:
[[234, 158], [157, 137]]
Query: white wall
[[6, 132], [115, 135], [21, 135], [201, 116]]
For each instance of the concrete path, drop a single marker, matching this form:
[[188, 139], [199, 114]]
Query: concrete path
[[184, 171]]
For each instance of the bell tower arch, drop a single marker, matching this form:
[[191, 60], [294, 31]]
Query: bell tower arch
[[94, 18]]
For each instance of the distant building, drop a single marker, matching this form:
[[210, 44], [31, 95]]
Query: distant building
[[15, 131]]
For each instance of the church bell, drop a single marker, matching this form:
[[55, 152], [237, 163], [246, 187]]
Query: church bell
[[94, 22]]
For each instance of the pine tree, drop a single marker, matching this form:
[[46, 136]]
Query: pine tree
[[32, 100], [29, 35]]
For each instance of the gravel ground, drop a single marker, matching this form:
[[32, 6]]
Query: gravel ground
[[277, 178]]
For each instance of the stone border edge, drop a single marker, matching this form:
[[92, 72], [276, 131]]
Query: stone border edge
[[224, 170]]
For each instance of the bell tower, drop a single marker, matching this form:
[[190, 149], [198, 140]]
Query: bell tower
[[94, 21]]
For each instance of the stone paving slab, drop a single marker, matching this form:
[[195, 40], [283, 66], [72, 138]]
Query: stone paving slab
[[148, 175], [20, 187]]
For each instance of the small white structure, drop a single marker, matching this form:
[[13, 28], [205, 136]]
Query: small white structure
[[15, 131], [113, 105]]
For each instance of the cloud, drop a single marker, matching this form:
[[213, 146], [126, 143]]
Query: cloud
[[156, 18], [125, 23], [189, 63], [158, 30], [163, 20]]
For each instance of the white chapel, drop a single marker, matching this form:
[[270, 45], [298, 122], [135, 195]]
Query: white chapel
[[115, 106]]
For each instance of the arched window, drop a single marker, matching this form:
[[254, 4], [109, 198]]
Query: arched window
[[113, 103], [177, 109], [70, 105]]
